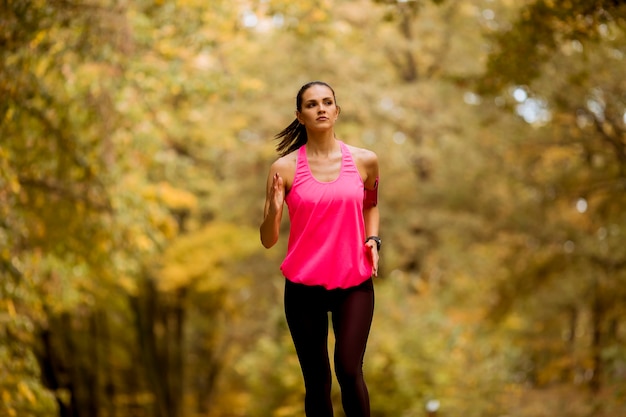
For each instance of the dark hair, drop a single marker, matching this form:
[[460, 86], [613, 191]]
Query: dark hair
[[294, 135]]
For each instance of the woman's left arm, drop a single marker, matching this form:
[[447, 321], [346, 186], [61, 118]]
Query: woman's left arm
[[371, 214]]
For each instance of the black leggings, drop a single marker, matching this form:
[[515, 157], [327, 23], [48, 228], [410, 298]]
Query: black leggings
[[306, 309]]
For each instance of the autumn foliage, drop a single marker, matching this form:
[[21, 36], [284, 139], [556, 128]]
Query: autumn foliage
[[135, 139]]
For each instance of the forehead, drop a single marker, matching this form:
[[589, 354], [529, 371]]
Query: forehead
[[317, 92]]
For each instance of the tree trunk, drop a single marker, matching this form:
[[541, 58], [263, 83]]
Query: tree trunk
[[92, 371], [145, 306], [597, 318]]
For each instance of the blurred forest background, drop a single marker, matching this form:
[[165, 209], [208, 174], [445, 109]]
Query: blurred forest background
[[135, 141]]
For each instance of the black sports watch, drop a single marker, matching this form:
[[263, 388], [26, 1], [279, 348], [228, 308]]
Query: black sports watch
[[375, 239]]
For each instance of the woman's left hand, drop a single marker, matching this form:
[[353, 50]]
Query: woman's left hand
[[373, 253]]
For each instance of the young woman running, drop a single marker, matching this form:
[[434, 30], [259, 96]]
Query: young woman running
[[331, 191]]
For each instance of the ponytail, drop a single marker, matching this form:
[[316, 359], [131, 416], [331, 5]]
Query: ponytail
[[294, 136], [291, 138]]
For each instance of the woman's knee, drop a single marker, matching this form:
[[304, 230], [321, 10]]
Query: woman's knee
[[348, 372]]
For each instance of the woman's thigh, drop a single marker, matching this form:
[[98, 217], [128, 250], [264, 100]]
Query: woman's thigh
[[352, 320], [307, 318]]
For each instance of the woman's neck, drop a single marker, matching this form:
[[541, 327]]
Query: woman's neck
[[322, 143]]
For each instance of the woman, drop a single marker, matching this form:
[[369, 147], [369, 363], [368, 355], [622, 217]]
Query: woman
[[331, 192]]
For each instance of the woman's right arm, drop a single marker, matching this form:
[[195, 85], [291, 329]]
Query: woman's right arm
[[274, 201]]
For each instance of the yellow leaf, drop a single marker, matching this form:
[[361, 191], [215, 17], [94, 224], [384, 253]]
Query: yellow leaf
[[176, 198], [26, 392], [252, 84], [6, 397], [11, 308]]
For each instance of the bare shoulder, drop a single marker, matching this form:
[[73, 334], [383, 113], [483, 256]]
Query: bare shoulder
[[285, 163], [364, 157], [286, 167], [366, 162]]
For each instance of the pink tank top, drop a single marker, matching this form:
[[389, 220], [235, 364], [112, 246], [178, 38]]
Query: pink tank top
[[326, 240]]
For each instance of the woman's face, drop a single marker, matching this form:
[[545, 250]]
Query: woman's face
[[319, 110]]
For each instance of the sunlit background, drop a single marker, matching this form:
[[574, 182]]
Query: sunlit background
[[135, 141]]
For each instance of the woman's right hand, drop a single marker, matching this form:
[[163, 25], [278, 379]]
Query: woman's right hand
[[276, 194], [273, 212]]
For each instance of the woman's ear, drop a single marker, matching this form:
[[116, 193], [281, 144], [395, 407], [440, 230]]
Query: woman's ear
[[297, 113]]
